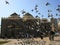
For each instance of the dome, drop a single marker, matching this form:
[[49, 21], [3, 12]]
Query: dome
[[27, 16], [14, 16]]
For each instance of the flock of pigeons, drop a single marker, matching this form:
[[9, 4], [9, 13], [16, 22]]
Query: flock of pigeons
[[36, 10]]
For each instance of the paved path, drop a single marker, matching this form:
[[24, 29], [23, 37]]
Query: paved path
[[35, 41]]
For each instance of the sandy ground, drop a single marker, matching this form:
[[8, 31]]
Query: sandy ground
[[45, 41]]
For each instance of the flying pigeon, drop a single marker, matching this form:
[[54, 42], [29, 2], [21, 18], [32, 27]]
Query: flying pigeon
[[38, 13], [51, 15], [36, 6], [56, 14], [58, 9], [47, 4], [6, 2], [32, 10], [36, 16], [48, 14], [23, 12], [58, 5], [49, 10]]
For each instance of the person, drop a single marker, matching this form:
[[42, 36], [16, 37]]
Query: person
[[41, 35], [51, 35]]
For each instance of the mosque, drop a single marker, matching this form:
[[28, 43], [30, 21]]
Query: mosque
[[21, 27]]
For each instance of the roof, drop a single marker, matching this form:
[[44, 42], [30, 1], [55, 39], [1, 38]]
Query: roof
[[28, 15], [14, 14]]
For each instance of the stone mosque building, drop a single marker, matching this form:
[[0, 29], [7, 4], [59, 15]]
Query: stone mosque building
[[16, 27]]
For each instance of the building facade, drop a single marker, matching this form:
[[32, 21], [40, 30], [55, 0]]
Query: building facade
[[28, 26]]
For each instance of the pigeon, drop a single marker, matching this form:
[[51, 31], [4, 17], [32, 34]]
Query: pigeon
[[47, 3], [51, 15], [23, 12], [36, 6], [58, 9], [36, 11], [48, 14], [58, 5], [49, 10], [32, 10], [56, 14], [36, 16], [6, 2]]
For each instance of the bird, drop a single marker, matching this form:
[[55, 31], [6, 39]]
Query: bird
[[51, 15], [47, 3], [36, 6], [56, 14], [58, 5], [36, 16], [38, 13], [49, 10], [48, 14], [6, 2], [23, 11], [32, 10], [58, 9]]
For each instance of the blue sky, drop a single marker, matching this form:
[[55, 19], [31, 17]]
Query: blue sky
[[18, 5]]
